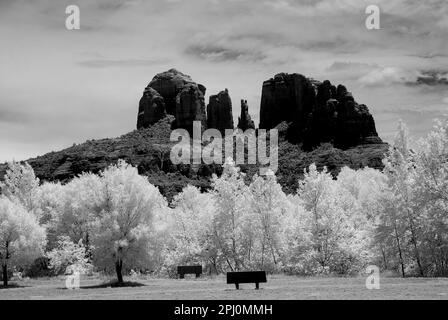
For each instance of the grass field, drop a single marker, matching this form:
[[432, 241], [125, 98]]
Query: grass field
[[277, 287]]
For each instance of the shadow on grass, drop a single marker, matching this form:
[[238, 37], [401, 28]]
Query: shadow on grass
[[114, 284], [12, 286]]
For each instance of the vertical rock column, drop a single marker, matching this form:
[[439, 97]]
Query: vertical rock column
[[219, 112], [244, 120], [190, 107]]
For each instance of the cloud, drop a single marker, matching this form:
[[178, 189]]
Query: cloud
[[114, 4], [337, 45], [350, 69], [10, 115], [432, 78], [214, 53], [431, 55], [385, 76], [57, 89], [106, 63], [431, 112]]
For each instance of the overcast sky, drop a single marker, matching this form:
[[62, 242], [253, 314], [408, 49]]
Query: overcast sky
[[58, 87]]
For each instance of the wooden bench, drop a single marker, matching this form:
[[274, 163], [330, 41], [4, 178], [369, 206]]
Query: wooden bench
[[183, 270], [246, 277]]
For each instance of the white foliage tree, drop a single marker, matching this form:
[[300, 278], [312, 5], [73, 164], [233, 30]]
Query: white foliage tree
[[190, 229], [48, 200], [268, 207], [231, 226], [362, 197], [298, 237], [22, 239], [316, 191], [408, 218], [334, 238], [122, 234], [431, 193], [69, 257], [20, 184], [80, 205]]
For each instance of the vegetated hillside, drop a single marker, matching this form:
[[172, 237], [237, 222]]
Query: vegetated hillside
[[149, 150]]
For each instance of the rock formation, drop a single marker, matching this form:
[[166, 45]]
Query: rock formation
[[219, 112], [303, 110], [180, 97], [244, 120], [169, 84], [286, 97], [316, 112], [190, 106], [151, 108]]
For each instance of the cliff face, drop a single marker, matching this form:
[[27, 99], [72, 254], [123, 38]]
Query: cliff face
[[286, 97], [316, 112], [219, 112], [190, 107], [151, 108]]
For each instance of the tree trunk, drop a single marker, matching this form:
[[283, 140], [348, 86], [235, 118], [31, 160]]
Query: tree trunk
[[414, 242], [384, 258], [88, 249], [230, 265], [118, 269], [399, 252], [5, 275], [417, 257]]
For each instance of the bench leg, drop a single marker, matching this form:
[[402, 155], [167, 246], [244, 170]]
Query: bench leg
[[181, 276], [237, 286], [257, 286], [197, 275]]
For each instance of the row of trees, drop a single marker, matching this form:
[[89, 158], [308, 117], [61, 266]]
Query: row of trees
[[117, 221], [101, 220], [396, 218], [413, 230]]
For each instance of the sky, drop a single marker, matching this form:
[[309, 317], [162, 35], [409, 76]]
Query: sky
[[59, 86]]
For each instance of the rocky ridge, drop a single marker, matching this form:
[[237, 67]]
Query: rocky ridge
[[316, 112], [317, 122]]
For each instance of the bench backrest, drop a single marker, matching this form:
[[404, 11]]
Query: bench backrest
[[246, 277], [189, 269]]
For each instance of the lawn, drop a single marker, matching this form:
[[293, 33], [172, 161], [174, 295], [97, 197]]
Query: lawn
[[277, 287]]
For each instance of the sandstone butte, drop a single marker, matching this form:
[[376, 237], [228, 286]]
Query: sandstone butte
[[318, 122]]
